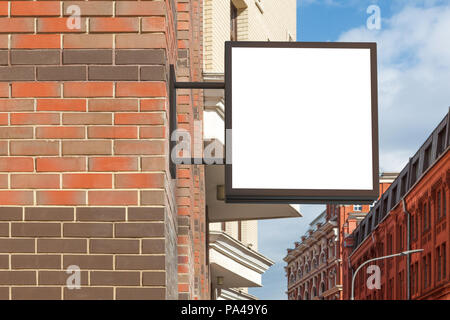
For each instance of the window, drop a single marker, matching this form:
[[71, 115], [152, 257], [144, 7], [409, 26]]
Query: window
[[300, 273], [389, 243], [424, 272], [417, 277], [323, 258], [426, 158], [391, 289], [400, 238], [413, 279], [322, 288], [444, 203], [438, 263], [292, 277], [414, 172], [429, 269], [363, 231], [385, 205], [401, 285], [413, 218], [233, 25], [393, 197], [438, 205], [315, 263], [424, 218], [369, 225], [444, 261], [357, 207], [403, 184], [306, 295], [441, 141], [416, 231]]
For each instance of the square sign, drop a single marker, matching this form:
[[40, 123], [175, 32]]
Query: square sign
[[302, 123]]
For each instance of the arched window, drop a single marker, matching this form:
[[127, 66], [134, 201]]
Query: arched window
[[331, 250], [313, 292], [323, 258], [292, 278], [322, 288], [332, 279], [306, 296]]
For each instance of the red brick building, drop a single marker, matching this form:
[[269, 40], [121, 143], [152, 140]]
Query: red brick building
[[412, 214], [315, 266], [84, 167]]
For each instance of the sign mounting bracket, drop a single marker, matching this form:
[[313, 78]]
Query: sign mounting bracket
[[173, 86]]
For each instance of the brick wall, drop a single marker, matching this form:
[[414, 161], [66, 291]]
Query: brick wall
[[84, 176]]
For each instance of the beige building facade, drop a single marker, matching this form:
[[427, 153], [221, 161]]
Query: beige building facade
[[255, 20]]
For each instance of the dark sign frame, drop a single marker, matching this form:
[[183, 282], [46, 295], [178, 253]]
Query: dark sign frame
[[317, 196]]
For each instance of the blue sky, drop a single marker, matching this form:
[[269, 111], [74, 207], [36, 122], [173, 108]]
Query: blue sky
[[414, 82]]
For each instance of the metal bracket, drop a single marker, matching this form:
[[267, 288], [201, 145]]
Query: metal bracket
[[173, 86]]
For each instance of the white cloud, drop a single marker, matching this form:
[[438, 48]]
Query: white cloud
[[414, 78]]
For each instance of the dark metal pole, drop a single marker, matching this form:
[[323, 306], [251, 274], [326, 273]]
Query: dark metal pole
[[173, 86]]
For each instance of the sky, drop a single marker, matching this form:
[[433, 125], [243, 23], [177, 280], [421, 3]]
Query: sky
[[414, 93]]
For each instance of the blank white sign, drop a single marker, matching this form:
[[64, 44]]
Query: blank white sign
[[301, 118]]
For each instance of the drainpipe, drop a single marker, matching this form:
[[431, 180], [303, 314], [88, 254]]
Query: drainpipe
[[408, 247]]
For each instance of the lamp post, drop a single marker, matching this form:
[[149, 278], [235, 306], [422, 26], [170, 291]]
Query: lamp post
[[404, 253]]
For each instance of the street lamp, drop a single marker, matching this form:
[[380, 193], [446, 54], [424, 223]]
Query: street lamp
[[404, 253]]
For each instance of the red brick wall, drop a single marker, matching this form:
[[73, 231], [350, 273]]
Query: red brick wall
[[84, 176]]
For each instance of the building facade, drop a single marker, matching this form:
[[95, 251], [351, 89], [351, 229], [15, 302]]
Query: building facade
[[313, 264], [412, 214], [314, 268]]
